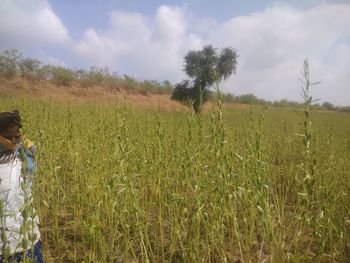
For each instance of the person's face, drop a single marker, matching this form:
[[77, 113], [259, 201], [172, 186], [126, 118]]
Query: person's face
[[12, 134]]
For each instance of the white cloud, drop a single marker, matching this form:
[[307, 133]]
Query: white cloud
[[146, 48], [272, 45], [126, 31], [29, 23], [169, 25], [45, 58]]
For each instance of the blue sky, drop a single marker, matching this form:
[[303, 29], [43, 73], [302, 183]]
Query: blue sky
[[148, 39]]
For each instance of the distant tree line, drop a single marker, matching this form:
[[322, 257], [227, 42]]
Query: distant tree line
[[13, 65], [182, 91], [283, 103]]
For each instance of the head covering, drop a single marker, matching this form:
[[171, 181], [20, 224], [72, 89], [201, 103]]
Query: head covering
[[9, 119]]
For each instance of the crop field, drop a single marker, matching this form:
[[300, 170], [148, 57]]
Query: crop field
[[120, 183]]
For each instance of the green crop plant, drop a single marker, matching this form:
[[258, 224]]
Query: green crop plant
[[119, 183], [5, 249]]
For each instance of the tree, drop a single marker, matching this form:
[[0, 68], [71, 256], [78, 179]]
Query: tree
[[167, 87], [206, 67], [9, 63], [327, 105], [186, 93], [29, 68]]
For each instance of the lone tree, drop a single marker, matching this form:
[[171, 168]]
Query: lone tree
[[205, 67]]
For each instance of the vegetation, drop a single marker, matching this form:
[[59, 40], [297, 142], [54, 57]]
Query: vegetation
[[152, 187], [13, 65], [328, 106], [185, 93], [205, 67], [117, 183], [9, 63], [251, 99]]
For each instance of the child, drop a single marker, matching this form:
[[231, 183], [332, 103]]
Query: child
[[19, 231]]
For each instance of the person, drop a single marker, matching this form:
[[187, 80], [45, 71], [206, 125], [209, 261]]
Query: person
[[19, 230]]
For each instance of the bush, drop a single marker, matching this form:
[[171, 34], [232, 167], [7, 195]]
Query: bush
[[29, 68], [62, 76], [328, 105]]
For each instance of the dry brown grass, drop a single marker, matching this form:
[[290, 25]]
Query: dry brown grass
[[22, 88], [77, 94]]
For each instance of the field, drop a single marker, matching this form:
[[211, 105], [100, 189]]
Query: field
[[121, 183]]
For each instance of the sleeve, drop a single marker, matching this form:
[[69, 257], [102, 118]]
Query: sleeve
[[29, 152]]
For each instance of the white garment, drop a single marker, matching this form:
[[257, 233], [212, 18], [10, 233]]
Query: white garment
[[13, 196]]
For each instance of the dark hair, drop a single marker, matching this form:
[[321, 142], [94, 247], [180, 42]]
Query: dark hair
[[10, 119]]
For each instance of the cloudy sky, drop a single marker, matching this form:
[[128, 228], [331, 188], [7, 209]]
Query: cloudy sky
[[149, 38]]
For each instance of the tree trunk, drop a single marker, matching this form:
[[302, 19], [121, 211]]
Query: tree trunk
[[198, 102]]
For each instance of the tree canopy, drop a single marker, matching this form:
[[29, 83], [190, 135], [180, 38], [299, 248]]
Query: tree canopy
[[205, 67]]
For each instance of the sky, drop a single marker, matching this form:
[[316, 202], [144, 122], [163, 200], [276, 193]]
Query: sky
[[148, 39]]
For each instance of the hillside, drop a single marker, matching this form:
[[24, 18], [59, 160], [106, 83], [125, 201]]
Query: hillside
[[48, 91]]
